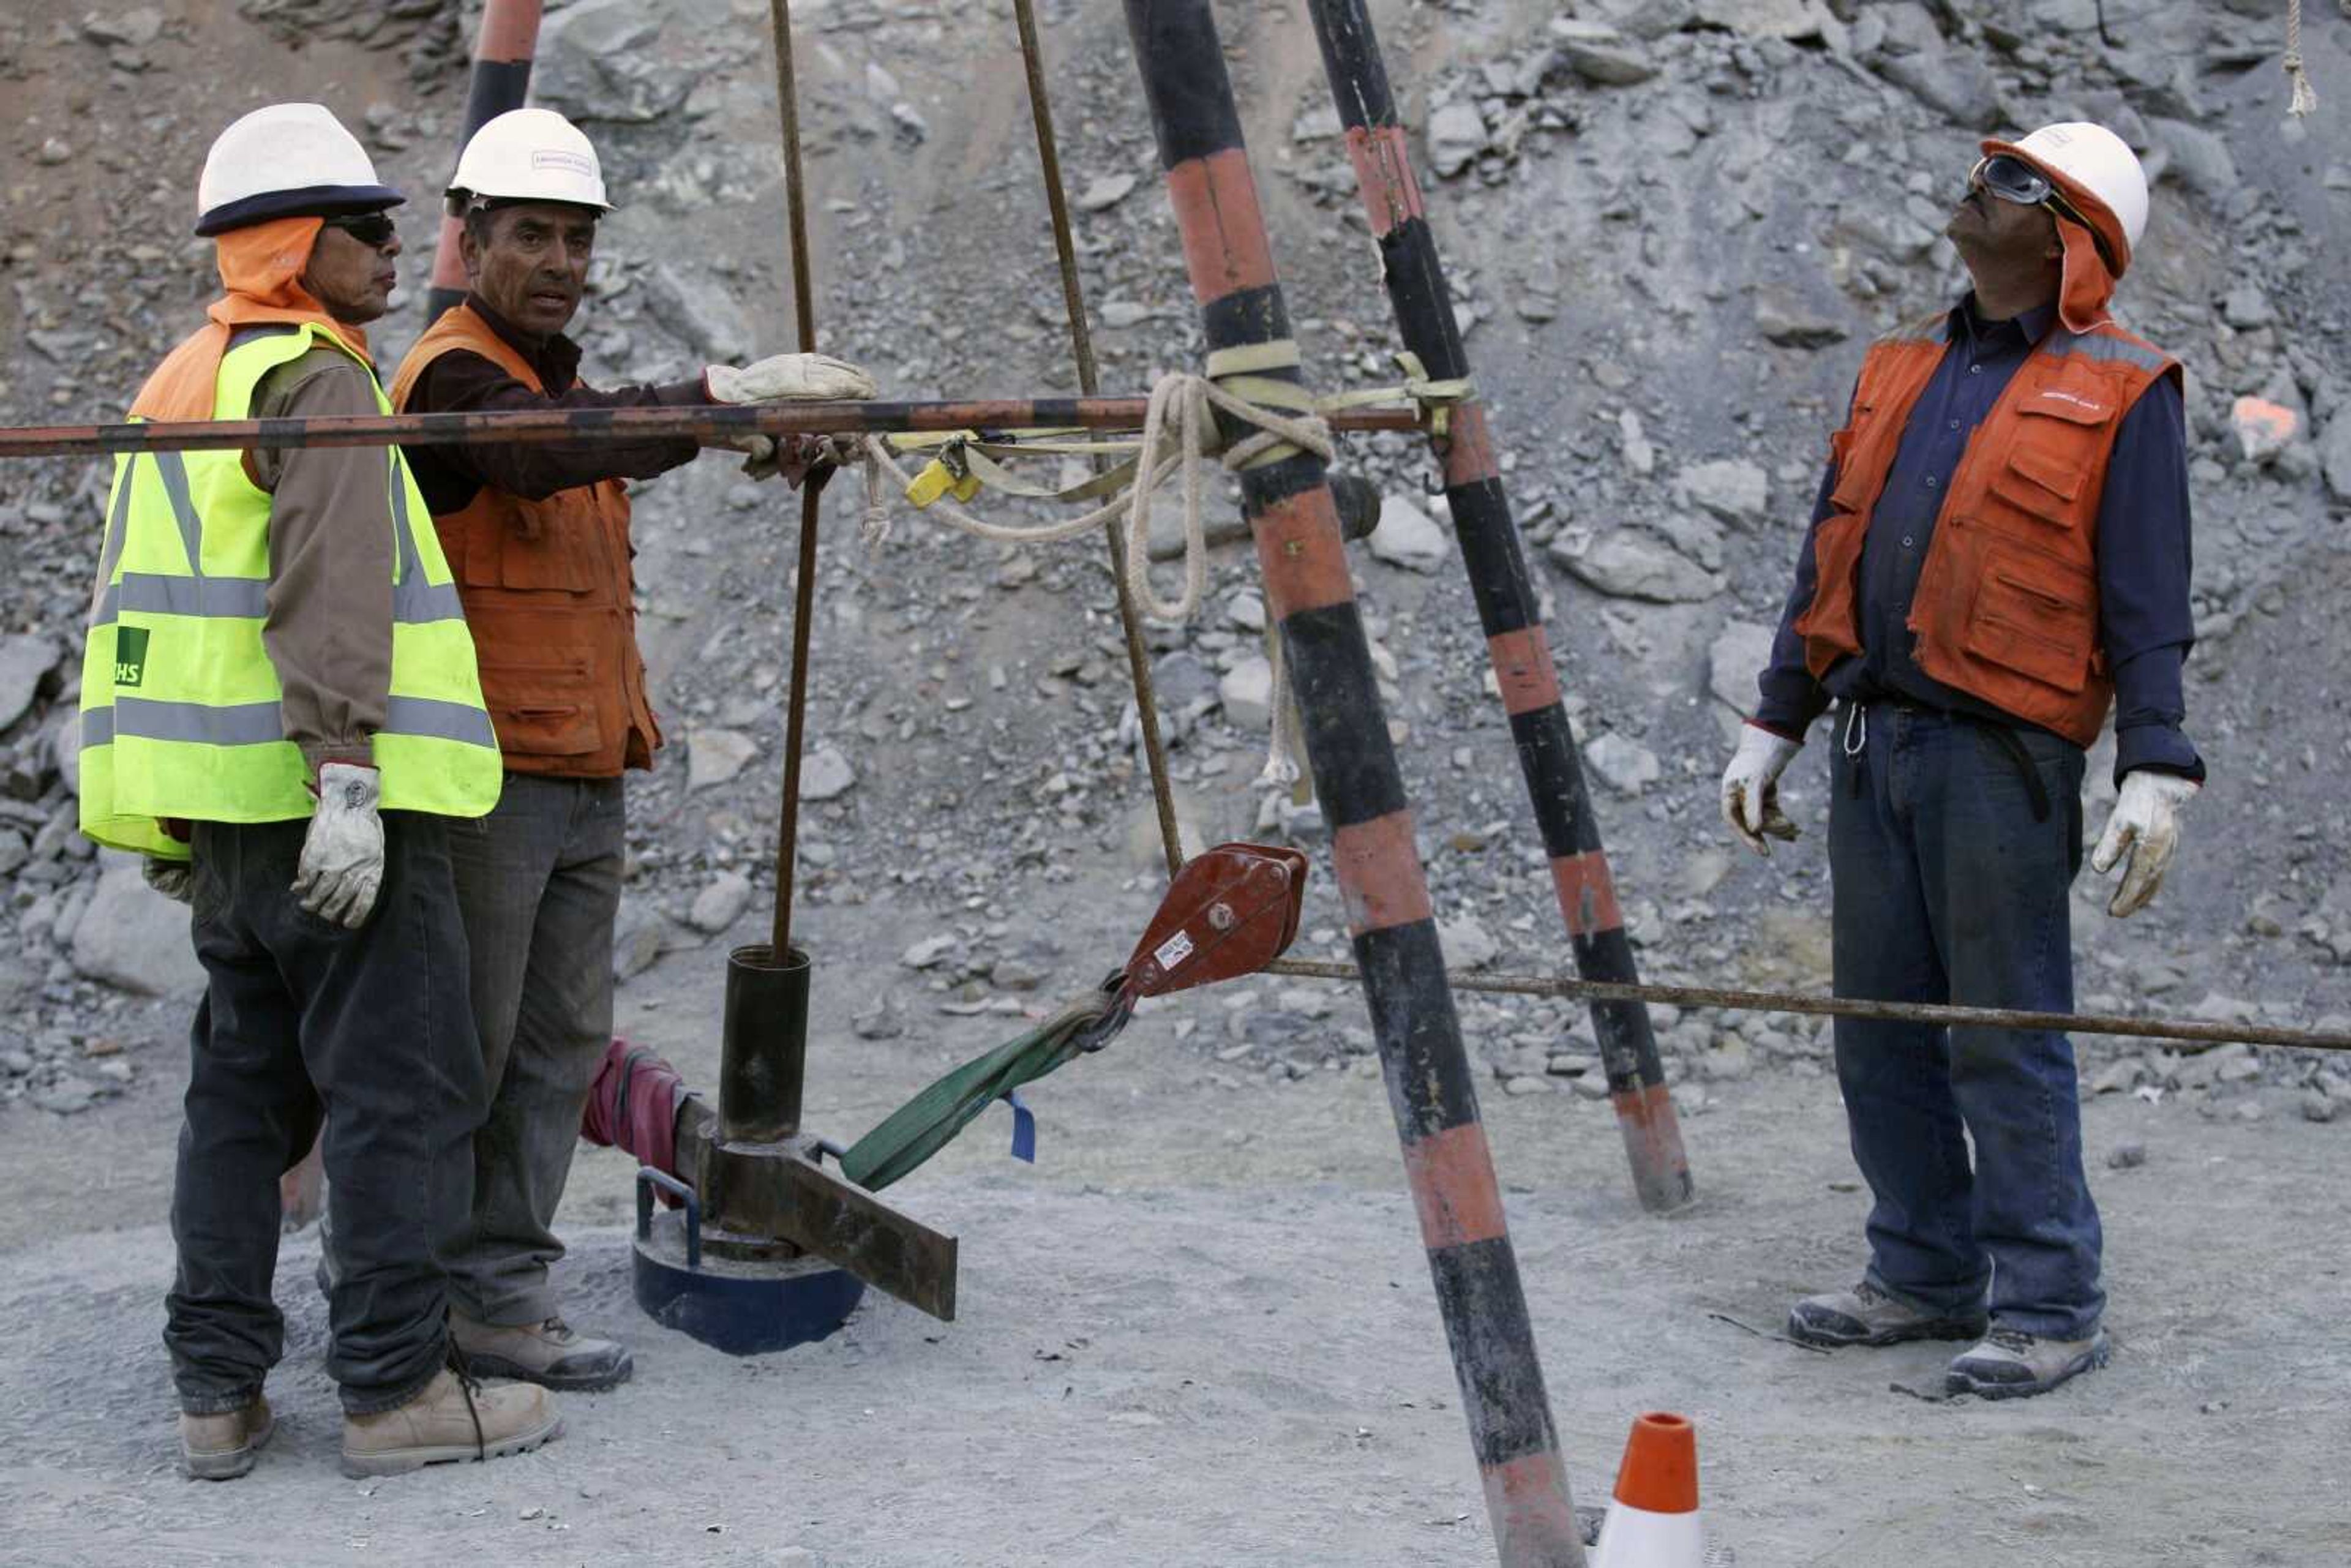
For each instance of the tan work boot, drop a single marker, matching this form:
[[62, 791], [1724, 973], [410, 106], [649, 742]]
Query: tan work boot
[[223, 1447], [451, 1419], [549, 1353]]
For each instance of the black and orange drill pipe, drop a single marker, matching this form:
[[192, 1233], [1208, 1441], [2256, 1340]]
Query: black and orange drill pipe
[[500, 81], [985, 415], [1288, 505], [1506, 604]]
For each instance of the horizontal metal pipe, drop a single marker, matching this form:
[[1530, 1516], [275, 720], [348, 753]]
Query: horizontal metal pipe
[[591, 424], [1857, 1008]]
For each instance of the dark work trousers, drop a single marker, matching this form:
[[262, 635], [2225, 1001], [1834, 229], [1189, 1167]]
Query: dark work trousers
[[539, 884], [303, 1018], [1950, 888]]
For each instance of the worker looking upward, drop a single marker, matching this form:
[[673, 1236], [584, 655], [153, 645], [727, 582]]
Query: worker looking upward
[[538, 536], [2000, 556], [280, 709]]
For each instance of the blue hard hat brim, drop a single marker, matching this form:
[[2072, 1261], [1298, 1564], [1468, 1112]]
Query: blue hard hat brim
[[309, 201]]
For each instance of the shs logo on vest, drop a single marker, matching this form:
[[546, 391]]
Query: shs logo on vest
[[129, 655]]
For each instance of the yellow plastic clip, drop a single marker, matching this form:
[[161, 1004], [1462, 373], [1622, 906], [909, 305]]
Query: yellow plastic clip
[[946, 474], [929, 485]]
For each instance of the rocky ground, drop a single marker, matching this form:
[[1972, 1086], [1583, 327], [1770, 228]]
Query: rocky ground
[[1672, 227]]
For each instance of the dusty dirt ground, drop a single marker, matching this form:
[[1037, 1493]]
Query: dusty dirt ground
[[1200, 1330]]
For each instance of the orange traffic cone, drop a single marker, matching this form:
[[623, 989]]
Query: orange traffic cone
[[1652, 1520]]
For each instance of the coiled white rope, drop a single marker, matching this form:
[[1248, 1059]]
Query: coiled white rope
[[1179, 434]]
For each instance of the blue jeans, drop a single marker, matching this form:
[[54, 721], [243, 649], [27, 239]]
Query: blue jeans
[[538, 888], [1951, 887]]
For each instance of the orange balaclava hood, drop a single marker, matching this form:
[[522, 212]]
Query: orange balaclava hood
[[261, 267], [2086, 282]]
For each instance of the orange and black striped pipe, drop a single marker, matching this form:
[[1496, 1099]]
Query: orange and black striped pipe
[[1287, 501], [501, 80], [1506, 604]]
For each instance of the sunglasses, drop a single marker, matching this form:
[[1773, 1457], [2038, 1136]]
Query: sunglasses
[[2012, 179], [370, 229]]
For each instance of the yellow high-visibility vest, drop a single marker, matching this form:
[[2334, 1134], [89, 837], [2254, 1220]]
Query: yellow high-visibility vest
[[180, 704]]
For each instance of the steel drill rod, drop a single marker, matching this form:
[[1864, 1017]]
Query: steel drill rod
[[500, 81], [588, 425], [1082, 350], [1508, 608], [1286, 499], [788, 827], [1947, 1014]]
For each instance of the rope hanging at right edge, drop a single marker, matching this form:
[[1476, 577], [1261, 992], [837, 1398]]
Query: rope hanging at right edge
[[2306, 97]]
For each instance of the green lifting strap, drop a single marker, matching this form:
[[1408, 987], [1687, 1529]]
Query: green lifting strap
[[930, 1121]]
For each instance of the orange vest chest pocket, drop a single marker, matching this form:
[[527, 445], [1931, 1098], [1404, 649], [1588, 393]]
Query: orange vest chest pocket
[[2034, 615], [551, 545], [2056, 443]]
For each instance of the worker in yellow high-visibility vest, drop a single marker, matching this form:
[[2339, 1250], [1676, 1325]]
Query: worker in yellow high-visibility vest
[[280, 709]]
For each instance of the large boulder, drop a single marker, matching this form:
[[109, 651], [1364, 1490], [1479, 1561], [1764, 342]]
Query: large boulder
[[132, 938], [1739, 653], [23, 660], [1628, 564], [1408, 537]]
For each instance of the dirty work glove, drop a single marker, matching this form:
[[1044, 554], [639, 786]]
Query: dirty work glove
[[1751, 788], [175, 879], [342, 857], [779, 378], [2145, 825]]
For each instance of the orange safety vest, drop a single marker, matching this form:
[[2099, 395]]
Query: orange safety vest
[[547, 590], [2006, 608]]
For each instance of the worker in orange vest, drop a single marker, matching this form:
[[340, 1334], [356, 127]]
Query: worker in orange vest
[[1999, 558], [538, 536]]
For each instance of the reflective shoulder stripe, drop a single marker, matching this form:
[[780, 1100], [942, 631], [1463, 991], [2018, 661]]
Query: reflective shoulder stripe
[[415, 600], [435, 720], [174, 467], [242, 724], [96, 727], [101, 604], [2105, 346]]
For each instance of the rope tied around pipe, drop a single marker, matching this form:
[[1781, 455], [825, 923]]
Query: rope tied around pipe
[[1180, 434]]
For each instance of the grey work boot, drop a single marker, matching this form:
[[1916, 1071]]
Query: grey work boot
[[451, 1419], [2010, 1364], [222, 1447], [1868, 1315], [549, 1354]]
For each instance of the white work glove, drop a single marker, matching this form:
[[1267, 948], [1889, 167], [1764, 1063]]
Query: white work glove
[[342, 857], [175, 879], [1751, 788], [2145, 824], [795, 378]]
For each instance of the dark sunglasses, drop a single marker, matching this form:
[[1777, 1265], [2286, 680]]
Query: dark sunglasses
[[2012, 179], [370, 229]]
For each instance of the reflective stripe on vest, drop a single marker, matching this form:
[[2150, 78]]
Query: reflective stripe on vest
[[181, 711]]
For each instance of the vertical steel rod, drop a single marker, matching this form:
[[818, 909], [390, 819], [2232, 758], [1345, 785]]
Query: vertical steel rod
[[788, 829], [1081, 344], [1508, 606], [501, 80], [1287, 501]]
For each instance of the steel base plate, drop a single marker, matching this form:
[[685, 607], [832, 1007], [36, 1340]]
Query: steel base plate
[[743, 1308]]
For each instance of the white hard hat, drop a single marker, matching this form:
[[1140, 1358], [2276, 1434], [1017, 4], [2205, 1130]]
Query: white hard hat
[[2094, 160], [528, 155], [286, 160]]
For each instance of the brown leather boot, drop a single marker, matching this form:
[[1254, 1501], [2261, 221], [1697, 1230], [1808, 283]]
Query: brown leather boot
[[451, 1419], [223, 1447]]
